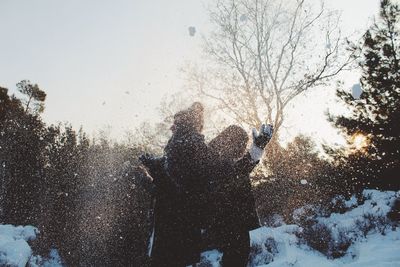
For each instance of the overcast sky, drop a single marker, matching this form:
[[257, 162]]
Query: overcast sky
[[111, 62]]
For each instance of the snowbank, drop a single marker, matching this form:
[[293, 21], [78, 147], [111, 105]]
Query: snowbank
[[281, 247], [14, 249], [16, 252], [362, 236]]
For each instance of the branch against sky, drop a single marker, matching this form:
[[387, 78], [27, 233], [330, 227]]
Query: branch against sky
[[34, 96], [261, 54]]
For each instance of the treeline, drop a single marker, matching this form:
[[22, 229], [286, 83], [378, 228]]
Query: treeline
[[80, 193]]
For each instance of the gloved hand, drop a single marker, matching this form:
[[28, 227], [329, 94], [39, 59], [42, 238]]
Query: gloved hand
[[260, 140], [154, 165], [147, 160]]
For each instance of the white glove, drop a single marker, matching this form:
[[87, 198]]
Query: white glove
[[260, 140]]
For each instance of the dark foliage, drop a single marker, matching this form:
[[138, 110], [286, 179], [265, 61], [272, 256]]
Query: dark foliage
[[81, 194], [22, 157], [375, 116], [298, 177]]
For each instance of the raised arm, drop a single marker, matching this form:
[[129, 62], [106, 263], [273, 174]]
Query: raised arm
[[246, 164]]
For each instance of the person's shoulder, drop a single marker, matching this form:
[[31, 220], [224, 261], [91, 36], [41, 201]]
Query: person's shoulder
[[198, 137], [193, 137], [199, 141]]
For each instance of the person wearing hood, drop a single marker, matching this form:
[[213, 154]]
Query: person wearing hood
[[182, 173], [231, 202]]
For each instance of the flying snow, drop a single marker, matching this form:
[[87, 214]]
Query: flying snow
[[192, 30], [356, 91]]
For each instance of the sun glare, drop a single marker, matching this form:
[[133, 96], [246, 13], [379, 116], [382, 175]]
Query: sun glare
[[359, 141]]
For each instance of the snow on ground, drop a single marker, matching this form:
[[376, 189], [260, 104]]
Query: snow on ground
[[14, 249], [360, 237], [16, 252], [374, 250]]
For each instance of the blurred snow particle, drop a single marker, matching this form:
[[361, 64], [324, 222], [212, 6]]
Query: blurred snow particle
[[356, 91], [192, 30], [243, 17], [303, 181], [328, 45]]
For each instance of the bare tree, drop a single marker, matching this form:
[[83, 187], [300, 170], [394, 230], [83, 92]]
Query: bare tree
[[264, 53]]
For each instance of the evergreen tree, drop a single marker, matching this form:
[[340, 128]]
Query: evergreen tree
[[22, 155], [64, 174], [34, 96], [373, 127]]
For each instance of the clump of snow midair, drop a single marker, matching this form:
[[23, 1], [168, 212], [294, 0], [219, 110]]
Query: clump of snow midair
[[192, 30], [15, 250], [356, 91], [303, 181]]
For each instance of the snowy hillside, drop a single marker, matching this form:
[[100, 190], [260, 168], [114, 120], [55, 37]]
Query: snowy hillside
[[361, 236], [16, 252]]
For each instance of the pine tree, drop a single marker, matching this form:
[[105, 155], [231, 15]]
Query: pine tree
[[22, 156], [33, 96], [373, 128]]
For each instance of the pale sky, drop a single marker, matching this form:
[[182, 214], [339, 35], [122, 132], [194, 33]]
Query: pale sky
[[111, 62]]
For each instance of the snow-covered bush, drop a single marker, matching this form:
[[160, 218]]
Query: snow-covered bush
[[360, 236], [333, 235], [16, 252], [394, 213], [14, 249], [53, 260], [264, 252]]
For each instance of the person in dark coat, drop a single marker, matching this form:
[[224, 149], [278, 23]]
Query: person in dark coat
[[186, 163], [163, 248], [232, 205], [180, 181]]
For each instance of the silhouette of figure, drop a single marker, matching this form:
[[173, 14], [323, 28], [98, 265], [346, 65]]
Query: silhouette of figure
[[180, 181], [231, 202]]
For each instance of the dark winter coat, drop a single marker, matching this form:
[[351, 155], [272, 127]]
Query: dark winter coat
[[232, 204], [187, 164], [165, 249]]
